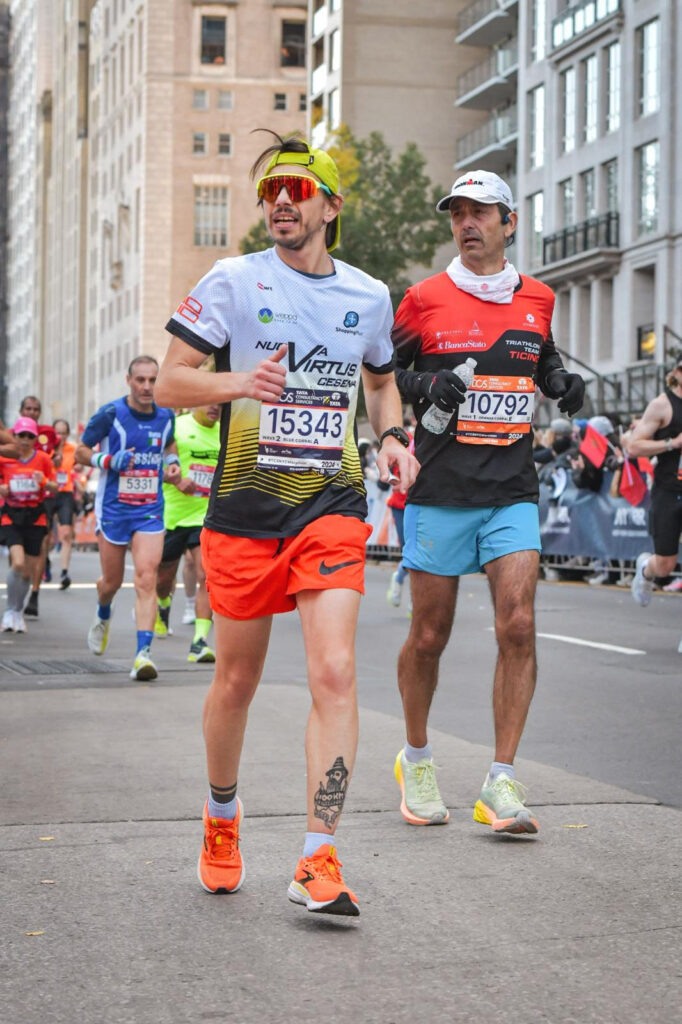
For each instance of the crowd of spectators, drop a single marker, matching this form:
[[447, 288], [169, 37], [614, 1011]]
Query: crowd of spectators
[[559, 460]]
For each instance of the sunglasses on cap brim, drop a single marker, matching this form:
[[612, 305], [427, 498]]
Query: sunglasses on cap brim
[[299, 187]]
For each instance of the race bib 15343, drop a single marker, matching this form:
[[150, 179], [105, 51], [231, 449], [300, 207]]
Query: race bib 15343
[[305, 430]]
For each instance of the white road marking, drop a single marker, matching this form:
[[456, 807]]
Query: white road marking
[[591, 643], [585, 643], [74, 586]]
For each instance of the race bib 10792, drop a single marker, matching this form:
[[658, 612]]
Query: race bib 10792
[[497, 410]]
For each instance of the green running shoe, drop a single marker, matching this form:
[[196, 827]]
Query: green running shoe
[[200, 651], [143, 668], [421, 803], [162, 627], [501, 804]]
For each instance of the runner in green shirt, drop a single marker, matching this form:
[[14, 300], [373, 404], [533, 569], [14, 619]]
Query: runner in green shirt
[[197, 442]]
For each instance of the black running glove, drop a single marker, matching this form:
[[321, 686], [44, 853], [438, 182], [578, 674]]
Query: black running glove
[[443, 388], [569, 388]]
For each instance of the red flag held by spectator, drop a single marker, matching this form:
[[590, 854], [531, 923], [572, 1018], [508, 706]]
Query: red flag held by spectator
[[632, 486], [594, 446]]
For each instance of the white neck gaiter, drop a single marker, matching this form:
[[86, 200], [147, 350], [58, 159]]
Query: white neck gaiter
[[488, 287]]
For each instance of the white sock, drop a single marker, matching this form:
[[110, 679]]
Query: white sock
[[227, 811], [500, 768], [314, 840], [415, 754]]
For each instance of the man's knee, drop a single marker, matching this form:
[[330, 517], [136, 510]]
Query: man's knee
[[232, 689], [332, 675], [428, 639], [145, 578], [516, 629]]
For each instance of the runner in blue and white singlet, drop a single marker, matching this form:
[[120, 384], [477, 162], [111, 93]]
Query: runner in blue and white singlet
[[132, 499], [133, 435]]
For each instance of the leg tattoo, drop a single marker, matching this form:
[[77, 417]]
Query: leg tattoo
[[329, 799]]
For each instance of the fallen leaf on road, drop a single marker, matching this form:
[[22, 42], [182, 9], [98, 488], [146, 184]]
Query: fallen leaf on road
[[45, 839], [574, 826], [34, 933], [47, 881], [149, 862]]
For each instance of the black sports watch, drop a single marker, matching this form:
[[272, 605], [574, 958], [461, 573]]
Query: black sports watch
[[399, 434]]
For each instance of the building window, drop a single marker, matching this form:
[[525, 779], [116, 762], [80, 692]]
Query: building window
[[225, 99], [613, 87], [210, 215], [293, 44], [568, 110], [200, 99], [648, 54], [536, 117], [587, 188], [648, 164], [591, 103], [611, 186], [225, 144], [567, 201], [302, 101], [280, 101], [213, 40], [335, 50], [538, 30], [199, 143], [536, 210]]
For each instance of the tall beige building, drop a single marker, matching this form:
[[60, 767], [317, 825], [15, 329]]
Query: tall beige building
[[176, 89], [30, 71], [130, 125], [391, 67]]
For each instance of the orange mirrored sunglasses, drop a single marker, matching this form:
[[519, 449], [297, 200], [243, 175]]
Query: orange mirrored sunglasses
[[299, 187]]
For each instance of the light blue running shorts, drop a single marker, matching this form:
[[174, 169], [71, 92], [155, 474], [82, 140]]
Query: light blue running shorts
[[452, 541]]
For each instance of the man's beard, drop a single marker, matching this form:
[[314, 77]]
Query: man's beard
[[295, 244]]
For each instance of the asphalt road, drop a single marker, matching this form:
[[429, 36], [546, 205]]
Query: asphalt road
[[607, 704], [102, 918]]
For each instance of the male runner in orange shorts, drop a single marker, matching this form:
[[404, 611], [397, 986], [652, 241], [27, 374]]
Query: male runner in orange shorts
[[292, 331]]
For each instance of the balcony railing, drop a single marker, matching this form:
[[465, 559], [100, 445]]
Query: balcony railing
[[495, 66], [479, 10], [595, 233], [580, 18], [319, 21], [494, 132], [318, 79]]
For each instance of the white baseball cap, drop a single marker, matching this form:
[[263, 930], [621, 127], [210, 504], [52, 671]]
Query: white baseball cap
[[483, 186]]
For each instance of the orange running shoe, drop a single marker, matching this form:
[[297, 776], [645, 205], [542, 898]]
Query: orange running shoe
[[318, 885], [221, 868]]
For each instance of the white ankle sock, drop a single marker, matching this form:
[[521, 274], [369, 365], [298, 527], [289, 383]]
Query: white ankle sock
[[415, 754]]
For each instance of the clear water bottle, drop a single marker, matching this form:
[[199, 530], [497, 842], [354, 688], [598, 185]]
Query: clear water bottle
[[436, 420]]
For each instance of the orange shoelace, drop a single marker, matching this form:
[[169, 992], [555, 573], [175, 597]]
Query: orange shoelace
[[222, 842]]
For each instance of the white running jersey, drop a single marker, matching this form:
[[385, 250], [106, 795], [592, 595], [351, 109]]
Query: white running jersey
[[288, 462]]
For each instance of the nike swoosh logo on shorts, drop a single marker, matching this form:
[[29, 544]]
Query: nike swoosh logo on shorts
[[327, 569]]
